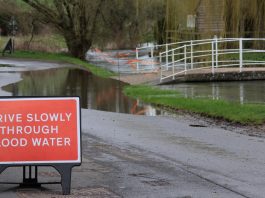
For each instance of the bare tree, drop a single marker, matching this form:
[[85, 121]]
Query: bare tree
[[75, 19]]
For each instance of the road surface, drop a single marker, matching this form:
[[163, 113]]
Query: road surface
[[139, 156]]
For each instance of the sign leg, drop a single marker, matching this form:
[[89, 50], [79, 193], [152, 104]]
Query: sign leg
[[30, 180], [65, 171], [2, 168]]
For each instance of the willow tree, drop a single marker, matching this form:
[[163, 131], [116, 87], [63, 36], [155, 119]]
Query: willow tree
[[75, 19], [176, 19], [245, 17], [229, 18]]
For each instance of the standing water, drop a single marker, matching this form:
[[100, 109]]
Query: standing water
[[95, 92], [236, 91]]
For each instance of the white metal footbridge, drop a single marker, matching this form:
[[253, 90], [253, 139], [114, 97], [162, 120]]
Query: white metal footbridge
[[208, 55]]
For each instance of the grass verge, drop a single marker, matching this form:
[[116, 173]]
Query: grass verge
[[250, 114], [61, 57]]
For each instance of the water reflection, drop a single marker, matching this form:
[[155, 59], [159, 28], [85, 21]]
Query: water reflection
[[95, 93], [243, 91]]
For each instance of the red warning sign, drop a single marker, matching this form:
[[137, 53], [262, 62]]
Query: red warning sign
[[40, 130]]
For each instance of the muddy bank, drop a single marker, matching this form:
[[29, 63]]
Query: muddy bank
[[249, 130]]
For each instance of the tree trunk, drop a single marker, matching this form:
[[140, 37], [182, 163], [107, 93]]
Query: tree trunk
[[77, 20], [78, 49]]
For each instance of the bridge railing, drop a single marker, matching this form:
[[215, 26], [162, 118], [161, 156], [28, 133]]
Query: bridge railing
[[147, 57], [211, 54]]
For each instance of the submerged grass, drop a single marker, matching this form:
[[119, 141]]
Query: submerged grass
[[230, 111], [62, 57]]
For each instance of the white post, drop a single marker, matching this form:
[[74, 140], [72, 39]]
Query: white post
[[185, 58], [216, 52], [191, 54], [212, 57], [173, 64], [152, 57], [167, 56], [137, 59], [160, 59], [240, 54]]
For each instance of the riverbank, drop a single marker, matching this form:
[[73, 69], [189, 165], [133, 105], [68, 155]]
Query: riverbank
[[246, 114]]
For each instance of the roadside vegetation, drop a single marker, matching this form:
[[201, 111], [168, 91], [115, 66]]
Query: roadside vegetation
[[250, 114], [49, 47], [62, 57]]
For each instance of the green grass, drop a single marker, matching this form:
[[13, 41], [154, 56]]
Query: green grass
[[250, 114], [46, 47], [61, 57], [246, 56], [254, 56]]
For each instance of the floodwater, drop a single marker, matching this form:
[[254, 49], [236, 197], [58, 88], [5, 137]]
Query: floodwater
[[236, 91], [95, 92]]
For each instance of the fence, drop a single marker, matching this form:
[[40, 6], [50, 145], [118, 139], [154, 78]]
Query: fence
[[211, 54], [148, 57]]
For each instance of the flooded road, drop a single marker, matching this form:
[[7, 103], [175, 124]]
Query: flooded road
[[95, 92]]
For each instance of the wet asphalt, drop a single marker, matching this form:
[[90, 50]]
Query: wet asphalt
[[138, 156]]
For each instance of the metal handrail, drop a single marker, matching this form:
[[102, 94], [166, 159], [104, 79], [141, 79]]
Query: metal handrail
[[187, 57], [150, 49], [168, 46]]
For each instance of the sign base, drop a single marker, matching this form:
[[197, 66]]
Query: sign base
[[40, 131], [31, 180]]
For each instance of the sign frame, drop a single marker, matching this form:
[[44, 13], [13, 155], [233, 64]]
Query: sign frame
[[64, 167]]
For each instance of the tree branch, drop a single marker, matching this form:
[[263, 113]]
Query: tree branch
[[44, 10], [94, 22]]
